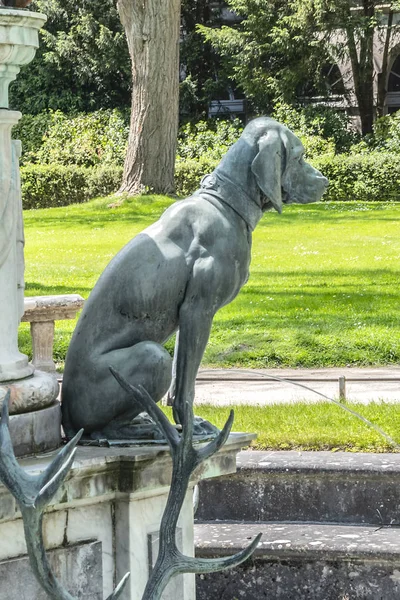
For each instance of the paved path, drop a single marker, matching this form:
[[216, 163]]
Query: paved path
[[257, 386], [236, 386]]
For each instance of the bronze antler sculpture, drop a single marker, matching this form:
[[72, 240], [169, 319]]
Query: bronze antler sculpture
[[185, 459], [33, 493]]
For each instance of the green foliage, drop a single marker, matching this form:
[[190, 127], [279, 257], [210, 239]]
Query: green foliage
[[46, 186], [85, 139], [318, 120], [370, 176], [209, 139], [204, 75], [386, 134], [316, 146], [201, 146], [82, 63], [188, 174], [284, 50], [30, 130], [270, 53]]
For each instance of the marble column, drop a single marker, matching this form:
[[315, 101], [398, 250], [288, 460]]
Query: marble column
[[13, 364], [35, 423]]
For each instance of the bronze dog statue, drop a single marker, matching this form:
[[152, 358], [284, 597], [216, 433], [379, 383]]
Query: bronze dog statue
[[175, 275]]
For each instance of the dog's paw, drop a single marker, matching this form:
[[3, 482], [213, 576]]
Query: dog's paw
[[203, 428]]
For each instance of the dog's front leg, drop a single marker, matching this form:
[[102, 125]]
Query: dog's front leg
[[194, 330]]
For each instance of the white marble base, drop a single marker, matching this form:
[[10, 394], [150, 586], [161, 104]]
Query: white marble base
[[32, 393], [115, 496], [35, 414]]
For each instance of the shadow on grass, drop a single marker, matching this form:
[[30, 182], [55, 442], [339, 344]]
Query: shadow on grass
[[339, 213], [335, 274], [44, 290], [72, 221]]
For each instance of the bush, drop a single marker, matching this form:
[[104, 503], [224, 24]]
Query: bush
[[319, 120], [371, 176], [211, 138], [31, 130], [316, 146], [45, 186], [386, 135], [188, 174], [85, 139]]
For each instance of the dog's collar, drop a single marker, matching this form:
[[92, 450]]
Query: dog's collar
[[234, 196]]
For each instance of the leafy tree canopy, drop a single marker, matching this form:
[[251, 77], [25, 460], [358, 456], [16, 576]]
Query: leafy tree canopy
[[271, 53], [280, 48], [203, 76], [82, 63]]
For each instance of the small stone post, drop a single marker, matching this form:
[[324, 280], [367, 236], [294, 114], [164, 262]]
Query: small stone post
[[342, 388]]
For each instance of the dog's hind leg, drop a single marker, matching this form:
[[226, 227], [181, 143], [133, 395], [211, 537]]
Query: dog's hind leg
[[94, 399]]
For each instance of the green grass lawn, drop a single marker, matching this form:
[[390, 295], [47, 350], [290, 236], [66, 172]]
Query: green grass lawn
[[316, 426], [323, 289]]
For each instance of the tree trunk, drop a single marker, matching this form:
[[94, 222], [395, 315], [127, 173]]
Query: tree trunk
[[383, 75], [361, 58], [152, 32]]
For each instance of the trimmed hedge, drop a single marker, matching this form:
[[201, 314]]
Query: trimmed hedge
[[371, 176], [45, 186]]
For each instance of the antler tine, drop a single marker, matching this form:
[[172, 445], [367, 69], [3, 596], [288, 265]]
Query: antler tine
[[148, 404], [216, 444], [170, 561], [212, 565], [120, 588], [21, 485], [57, 470], [32, 493], [187, 426]]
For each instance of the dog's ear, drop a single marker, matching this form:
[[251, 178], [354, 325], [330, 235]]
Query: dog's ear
[[267, 167]]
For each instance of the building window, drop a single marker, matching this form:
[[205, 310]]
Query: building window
[[393, 94]]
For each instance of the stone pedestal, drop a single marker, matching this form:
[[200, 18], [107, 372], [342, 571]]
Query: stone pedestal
[[41, 312], [104, 521]]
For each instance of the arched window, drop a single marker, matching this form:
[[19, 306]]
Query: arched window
[[333, 79], [394, 76], [393, 94], [329, 83]]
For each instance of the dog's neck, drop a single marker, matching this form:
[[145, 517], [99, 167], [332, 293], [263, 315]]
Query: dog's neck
[[232, 194]]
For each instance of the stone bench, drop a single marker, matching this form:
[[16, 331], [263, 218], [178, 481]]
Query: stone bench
[[41, 312]]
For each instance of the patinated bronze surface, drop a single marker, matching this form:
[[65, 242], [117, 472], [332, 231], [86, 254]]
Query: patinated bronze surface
[[175, 275]]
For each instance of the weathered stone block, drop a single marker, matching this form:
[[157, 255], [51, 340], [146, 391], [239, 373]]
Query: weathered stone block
[[78, 567]]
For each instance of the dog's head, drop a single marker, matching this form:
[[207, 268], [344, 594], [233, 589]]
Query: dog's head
[[280, 170]]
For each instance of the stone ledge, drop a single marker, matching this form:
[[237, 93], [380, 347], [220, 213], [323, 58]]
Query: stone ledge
[[99, 473], [78, 567], [41, 312], [52, 308], [308, 486], [310, 462], [305, 540], [303, 561]]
